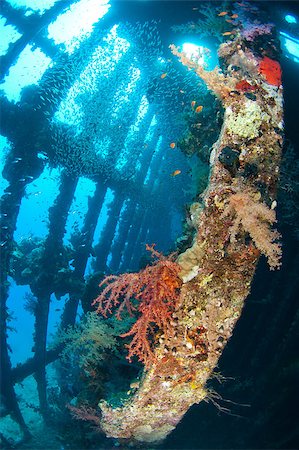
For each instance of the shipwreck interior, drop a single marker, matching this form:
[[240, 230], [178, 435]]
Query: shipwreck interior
[[92, 172]]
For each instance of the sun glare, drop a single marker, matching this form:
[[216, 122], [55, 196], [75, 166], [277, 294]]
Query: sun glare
[[194, 52]]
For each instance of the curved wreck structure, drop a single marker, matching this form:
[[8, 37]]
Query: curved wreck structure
[[234, 226], [140, 207]]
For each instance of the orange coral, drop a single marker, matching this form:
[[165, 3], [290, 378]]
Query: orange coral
[[156, 288], [271, 71]]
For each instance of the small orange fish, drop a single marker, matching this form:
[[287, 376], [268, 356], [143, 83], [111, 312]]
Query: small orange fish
[[229, 21], [193, 103], [199, 109], [234, 16], [175, 173], [163, 75], [172, 145], [223, 13], [227, 33]]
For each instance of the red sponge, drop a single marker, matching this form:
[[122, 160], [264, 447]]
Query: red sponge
[[271, 71]]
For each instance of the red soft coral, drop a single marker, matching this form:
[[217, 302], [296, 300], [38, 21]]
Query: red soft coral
[[271, 71], [244, 86], [86, 413], [156, 288]]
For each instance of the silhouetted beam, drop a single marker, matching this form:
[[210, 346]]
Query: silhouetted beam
[[67, 68], [8, 394], [21, 167], [139, 244], [82, 251], [31, 27], [6, 61], [133, 232], [13, 16], [40, 341], [117, 250], [146, 158], [47, 46], [156, 168], [103, 247], [22, 371], [45, 283], [138, 141], [155, 228], [10, 204], [127, 113]]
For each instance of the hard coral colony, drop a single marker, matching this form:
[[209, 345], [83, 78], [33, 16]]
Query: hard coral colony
[[196, 301]]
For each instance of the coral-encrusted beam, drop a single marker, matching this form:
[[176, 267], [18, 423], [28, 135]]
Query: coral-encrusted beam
[[234, 226]]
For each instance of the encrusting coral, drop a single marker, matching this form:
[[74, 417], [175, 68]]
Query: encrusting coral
[[233, 228]]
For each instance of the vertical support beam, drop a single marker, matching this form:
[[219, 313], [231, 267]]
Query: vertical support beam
[[133, 232], [16, 172], [136, 143], [108, 233], [43, 286], [145, 161], [8, 394], [117, 250], [146, 158], [127, 114], [156, 222], [83, 251], [139, 244]]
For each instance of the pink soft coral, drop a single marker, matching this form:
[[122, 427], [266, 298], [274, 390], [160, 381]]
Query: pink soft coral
[[252, 30], [255, 218]]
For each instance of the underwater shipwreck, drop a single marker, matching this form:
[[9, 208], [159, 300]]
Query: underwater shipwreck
[[149, 225]]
